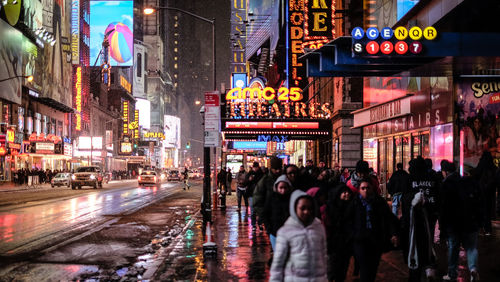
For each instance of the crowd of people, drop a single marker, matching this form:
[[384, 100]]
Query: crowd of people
[[44, 176], [318, 218]]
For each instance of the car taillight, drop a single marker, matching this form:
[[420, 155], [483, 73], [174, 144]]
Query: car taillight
[[139, 178]]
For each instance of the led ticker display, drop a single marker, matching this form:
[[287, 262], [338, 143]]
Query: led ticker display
[[271, 125], [246, 145], [400, 41], [114, 19]]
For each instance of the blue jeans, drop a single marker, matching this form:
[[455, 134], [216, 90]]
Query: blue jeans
[[469, 242], [241, 193], [396, 200], [272, 238]]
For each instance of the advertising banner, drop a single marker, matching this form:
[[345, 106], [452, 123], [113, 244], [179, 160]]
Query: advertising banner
[[172, 132], [144, 107], [44, 148], [113, 19], [57, 58], [139, 71], [75, 30], [478, 108], [11, 57]]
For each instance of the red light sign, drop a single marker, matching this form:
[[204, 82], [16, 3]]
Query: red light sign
[[271, 125]]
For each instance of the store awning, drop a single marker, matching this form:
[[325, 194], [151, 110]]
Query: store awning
[[53, 104], [336, 58]]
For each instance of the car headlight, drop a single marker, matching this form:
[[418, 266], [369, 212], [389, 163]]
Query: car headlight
[[73, 177], [92, 177]]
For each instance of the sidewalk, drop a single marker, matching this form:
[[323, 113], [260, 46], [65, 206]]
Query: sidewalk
[[243, 254]]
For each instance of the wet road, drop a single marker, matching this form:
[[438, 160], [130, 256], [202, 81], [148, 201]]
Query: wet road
[[28, 227]]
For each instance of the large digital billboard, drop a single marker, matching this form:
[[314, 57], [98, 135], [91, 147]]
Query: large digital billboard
[[114, 19], [172, 132]]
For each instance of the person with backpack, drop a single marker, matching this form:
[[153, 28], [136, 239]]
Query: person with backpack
[[399, 180]]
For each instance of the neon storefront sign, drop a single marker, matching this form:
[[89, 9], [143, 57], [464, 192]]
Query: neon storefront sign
[[268, 94], [78, 86]]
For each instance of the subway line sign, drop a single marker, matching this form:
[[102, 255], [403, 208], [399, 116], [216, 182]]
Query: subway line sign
[[400, 41]]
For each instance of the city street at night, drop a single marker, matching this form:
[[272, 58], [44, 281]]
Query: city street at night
[[250, 140]]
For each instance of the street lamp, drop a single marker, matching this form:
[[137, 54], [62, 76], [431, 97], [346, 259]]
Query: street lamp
[[28, 77], [206, 208]]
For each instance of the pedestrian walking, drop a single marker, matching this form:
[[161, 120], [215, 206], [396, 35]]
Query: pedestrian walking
[[399, 180], [229, 181], [375, 230], [460, 219], [484, 174], [241, 187], [300, 253], [419, 205], [292, 173], [362, 172], [345, 175], [338, 224], [264, 187], [254, 177], [185, 173], [221, 180], [276, 209]]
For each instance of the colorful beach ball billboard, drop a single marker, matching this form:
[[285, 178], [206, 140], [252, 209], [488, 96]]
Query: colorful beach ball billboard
[[114, 19]]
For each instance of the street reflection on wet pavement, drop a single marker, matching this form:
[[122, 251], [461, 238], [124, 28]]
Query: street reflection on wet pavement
[[242, 255]]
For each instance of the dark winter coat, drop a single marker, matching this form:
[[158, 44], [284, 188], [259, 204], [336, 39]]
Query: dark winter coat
[[340, 215], [384, 224], [400, 179], [252, 180], [263, 190], [460, 204], [276, 212], [429, 186]]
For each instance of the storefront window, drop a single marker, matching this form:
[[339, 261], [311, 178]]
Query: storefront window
[[398, 148], [370, 147], [59, 130], [406, 151], [20, 119], [44, 124], [38, 123], [53, 123], [426, 150], [441, 147], [416, 145]]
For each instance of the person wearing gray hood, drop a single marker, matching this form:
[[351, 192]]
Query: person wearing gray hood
[[276, 208], [300, 253]]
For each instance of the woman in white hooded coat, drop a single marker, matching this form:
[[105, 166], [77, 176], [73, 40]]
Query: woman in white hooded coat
[[300, 253]]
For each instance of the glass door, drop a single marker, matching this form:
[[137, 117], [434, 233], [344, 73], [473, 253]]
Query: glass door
[[406, 151]]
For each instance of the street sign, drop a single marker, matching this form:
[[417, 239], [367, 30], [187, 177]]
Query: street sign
[[212, 125], [212, 99], [211, 139]]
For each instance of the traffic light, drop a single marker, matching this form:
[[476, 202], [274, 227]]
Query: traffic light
[[135, 145], [188, 145]]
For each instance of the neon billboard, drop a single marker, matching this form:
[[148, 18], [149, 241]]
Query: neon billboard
[[113, 19], [78, 98]]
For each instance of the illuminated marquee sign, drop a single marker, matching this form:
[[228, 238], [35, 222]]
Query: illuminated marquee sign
[[136, 122], [126, 147], [125, 84], [155, 135], [400, 41], [273, 138], [10, 136], [271, 125], [44, 148], [267, 102], [318, 23], [125, 117], [78, 87], [295, 69], [75, 32]]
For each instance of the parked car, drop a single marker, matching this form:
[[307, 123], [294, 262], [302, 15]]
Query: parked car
[[87, 176], [61, 179], [148, 177], [174, 175]]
